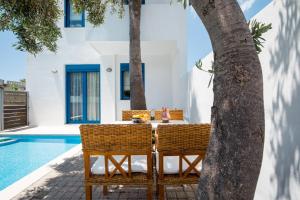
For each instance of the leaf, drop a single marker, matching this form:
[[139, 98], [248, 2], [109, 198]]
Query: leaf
[[185, 3], [210, 80], [257, 29], [199, 64]]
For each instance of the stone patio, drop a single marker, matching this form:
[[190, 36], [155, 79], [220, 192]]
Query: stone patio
[[65, 182]]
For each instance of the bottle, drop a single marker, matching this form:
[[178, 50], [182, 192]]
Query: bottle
[[165, 116]]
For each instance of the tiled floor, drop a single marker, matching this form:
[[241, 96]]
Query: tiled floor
[[66, 182]]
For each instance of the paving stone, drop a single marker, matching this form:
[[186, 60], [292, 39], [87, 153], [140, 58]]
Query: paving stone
[[65, 182]]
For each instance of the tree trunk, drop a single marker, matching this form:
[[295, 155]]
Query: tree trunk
[[137, 92], [233, 160]]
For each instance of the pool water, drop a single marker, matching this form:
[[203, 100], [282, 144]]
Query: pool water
[[28, 153]]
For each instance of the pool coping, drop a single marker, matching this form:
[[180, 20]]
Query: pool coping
[[23, 183], [43, 130], [8, 142]]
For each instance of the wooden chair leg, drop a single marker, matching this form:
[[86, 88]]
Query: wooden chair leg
[[149, 192], [161, 192], [105, 190], [88, 192]]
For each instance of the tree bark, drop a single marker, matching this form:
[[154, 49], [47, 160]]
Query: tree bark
[[233, 159], [137, 92]]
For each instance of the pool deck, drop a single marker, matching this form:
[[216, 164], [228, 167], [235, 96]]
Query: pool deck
[[62, 178], [43, 130], [65, 181]]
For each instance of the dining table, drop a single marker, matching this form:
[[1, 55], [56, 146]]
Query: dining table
[[155, 123]]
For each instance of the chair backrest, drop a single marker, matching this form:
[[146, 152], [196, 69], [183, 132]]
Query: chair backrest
[[127, 114], [174, 114], [183, 140], [116, 139]]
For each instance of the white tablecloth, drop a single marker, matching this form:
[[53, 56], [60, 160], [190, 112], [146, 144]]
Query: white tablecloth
[[155, 123]]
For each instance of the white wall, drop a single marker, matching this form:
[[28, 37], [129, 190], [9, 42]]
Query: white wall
[[158, 83], [280, 60], [200, 96], [159, 22], [280, 174], [163, 52], [47, 89]]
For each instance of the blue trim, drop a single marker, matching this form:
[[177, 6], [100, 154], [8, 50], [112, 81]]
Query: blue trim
[[68, 91], [84, 96], [81, 69], [68, 22], [125, 67]]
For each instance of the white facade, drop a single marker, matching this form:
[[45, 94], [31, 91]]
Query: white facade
[[163, 35], [280, 60], [163, 42]]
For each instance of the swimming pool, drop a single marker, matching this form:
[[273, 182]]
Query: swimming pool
[[24, 154]]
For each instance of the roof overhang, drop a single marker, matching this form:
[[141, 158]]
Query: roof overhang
[[122, 47]]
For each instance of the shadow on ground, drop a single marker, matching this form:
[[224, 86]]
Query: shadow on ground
[[66, 182]]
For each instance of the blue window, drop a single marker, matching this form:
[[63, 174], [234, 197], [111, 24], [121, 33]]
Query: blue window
[[125, 80], [82, 94], [72, 18], [126, 2]]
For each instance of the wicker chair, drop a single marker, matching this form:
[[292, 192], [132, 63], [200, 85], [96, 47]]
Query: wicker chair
[[127, 114], [126, 141], [187, 145], [174, 114]]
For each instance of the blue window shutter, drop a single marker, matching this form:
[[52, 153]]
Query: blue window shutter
[[67, 13], [143, 72], [125, 67]]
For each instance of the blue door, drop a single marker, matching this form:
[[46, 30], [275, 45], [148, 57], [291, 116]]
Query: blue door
[[83, 93]]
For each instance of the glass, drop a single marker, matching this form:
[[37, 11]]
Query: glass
[[75, 18], [76, 100], [93, 96], [126, 84]]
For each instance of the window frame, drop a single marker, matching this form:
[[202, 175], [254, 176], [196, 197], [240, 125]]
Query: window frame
[[81, 68], [126, 2], [67, 16], [125, 67]]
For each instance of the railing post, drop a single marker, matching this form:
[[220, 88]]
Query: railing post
[[1, 104]]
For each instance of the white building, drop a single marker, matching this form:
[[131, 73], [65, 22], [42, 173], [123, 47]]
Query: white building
[[168, 82], [82, 81]]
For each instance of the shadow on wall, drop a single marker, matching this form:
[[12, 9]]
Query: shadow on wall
[[285, 65], [193, 109], [200, 96]]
